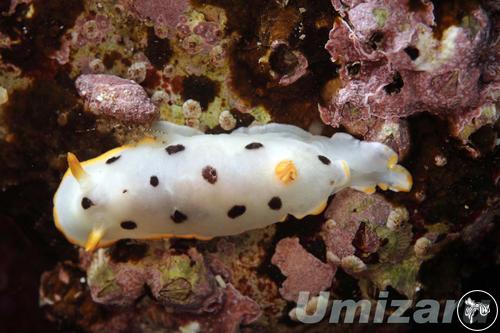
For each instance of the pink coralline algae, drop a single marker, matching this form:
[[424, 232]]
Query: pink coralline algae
[[352, 217], [165, 14], [297, 72], [209, 31], [65, 291], [394, 63], [113, 97], [184, 282], [202, 37], [296, 264], [194, 287], [237, 310], [88, 30]]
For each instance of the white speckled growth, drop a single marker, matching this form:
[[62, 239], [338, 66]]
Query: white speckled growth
[[124, 190]]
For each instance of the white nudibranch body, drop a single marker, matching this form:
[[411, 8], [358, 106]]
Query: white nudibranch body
[[183, 183]]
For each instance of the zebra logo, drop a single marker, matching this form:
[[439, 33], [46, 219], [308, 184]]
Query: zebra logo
[[477, 310], [472, 307]]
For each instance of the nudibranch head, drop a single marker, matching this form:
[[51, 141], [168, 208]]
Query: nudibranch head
[[83, 206]]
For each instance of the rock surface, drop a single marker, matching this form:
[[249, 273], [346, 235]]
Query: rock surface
[[113, 97]]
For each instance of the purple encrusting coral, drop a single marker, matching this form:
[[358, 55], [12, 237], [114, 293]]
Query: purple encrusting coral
[[395, 63], [237, 310], [113, 97], [63, 290], [164, 14], [88, 31], [184, 282], [349, 210], [296, 263], [196, 288]]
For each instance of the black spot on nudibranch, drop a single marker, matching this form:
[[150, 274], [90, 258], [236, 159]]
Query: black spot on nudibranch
[[178, 217], [128, 225], [254, 145], [210, 174], [325, 160], [154, 181], [86, 203], [113, 159], [173, 149], [236, 210], [275, 203]]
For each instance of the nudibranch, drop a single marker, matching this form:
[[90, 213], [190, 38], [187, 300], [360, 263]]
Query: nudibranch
[[183, 183]]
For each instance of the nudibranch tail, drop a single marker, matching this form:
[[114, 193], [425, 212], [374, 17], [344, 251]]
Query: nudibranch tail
[[399, 179], [372, 164]]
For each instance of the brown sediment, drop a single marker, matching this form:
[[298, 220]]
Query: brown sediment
[[31, 165], [111, 58], [152, 79], [282, 60], [416, 5], [296, 103], [127, 250], [35, 157], [395, 86], [158, 50], [31, 119], [446, 12], [200, 88], [242, 120], [39, 35], [450, 12], [451, 193]]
